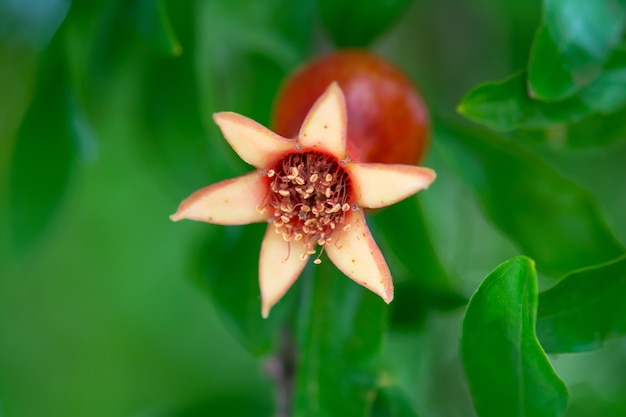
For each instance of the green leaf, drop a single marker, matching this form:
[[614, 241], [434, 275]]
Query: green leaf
[[339, 337], [420, 280], [584, 309], [156, 29], [44, 154], [507, 371], [572, 45], [598, 130], [552, 219], [358, 23], [232, 277], [240, 404], [185, 155], [392, 401], [592, 132], [245, 49], [506, 105]]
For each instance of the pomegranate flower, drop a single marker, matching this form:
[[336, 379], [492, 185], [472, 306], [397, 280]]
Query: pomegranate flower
[[311, 194]]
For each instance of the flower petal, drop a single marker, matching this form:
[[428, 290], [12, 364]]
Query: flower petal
[[279, 267], [228, 202], [379, 185], [325, 126], [356, 254], [253, 142]]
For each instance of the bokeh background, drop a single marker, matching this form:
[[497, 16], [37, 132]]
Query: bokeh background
[[105, 125]]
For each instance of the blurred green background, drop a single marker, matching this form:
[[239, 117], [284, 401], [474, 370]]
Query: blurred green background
[[105, 125]]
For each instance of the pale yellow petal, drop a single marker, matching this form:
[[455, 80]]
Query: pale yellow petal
[[356, 254], [379, 185], [279, 267], [325, 126], [254, 143], [230, 202]]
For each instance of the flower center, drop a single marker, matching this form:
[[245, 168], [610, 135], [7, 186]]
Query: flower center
[[310, 192]]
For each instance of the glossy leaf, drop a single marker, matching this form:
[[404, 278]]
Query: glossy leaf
[[232, 278], [44, 154], [507, 370], [572, 45], [339, 337], [506, 105], [551, 219], [584, 309], [356, 23], [421, 281], [392, 401]]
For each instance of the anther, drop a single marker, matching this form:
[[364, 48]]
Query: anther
[[345, 207], [284, 193], [317, 261], [271, 173], [347, 227]]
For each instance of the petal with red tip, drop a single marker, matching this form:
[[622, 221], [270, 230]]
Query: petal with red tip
[[279, 267], [324, 127], [230, 202], [253, 142], [356, 254], [379, 185]]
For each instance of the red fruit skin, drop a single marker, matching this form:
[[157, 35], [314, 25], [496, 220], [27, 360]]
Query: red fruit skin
[[387, 119]]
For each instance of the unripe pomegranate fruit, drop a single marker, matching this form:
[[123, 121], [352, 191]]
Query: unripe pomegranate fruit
[[387, 118]]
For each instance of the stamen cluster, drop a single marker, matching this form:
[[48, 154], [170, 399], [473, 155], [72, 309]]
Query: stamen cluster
[[309, 198]]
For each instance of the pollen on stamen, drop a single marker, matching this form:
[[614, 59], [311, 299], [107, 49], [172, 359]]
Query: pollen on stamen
[[310, 193]]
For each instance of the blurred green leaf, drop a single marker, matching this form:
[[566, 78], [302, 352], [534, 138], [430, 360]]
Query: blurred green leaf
[[392, 401], [339, 336], [552, 219], [356, 23], [584, 309], [587, 401], [231, 275], [107, 38], [508, 372], [572, 45], [186, 156], [506, 105], [244, 404], [156, 28], [44, 153], [420, 280], [245, 49], [31, 23], [592, 132], [598, 130]]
